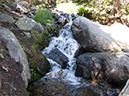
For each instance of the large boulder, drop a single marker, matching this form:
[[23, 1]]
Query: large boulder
[[14, 66], [16, 52], [95, 37], [113, 67], [58, 56]]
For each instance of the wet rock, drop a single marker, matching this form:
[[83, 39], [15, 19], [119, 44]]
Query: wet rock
[[58, 56], [40, 63], [88, 66], [57, 87], [67, 16], [62, 20], [59, 73], [16, 52], [112, 67], [95, 37], [6, 19], [17, 7]]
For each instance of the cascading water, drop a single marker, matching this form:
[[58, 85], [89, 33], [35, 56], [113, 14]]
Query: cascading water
[[61, 81], [67, 45]]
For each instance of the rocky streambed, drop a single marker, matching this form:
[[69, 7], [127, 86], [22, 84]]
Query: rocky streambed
[[85, 59]]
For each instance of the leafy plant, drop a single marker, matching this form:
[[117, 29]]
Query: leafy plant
[[84, 12], [43, 16], [34, 75], [33, 72]]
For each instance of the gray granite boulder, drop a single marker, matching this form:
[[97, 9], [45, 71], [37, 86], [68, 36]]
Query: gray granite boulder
[[95, 37], [16, 52]]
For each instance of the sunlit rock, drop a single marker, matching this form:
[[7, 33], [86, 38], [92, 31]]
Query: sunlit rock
[[95, 37], [16, 52], [18, 7], [27, 24]]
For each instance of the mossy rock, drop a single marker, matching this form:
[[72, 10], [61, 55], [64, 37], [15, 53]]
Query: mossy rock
[[39, 62]]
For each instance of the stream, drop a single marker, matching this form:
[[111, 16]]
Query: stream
[[61, 80]]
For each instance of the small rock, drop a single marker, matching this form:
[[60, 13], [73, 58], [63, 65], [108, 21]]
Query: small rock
[[17, 7], [28, 35], [33, 8], [1, 56], [24, 3], [6, 18], [62, 20], [6, 69], [1, 50], [125, 50]]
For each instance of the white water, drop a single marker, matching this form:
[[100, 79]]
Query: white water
[[68, 46]]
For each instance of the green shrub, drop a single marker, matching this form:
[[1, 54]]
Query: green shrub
[[84, 12], [43, 16]]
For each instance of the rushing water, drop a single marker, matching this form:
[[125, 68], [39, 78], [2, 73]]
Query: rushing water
[[63, 82], [67, 45]]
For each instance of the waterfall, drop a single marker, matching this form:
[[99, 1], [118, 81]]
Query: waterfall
[[67, 45]]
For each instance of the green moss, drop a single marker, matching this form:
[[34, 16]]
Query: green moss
[[32, 63], [119, 50], [76, 36], [39, 40], [2, 53], [46, 32], [33, 48]]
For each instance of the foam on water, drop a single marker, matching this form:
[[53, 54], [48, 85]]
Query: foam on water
[[66, 44]]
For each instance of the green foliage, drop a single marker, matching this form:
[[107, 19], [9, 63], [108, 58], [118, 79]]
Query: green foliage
[[84, 12], [62, 1], [76, 36], [105, 8], [43, 16], [39, 41], [34, 75], [33, 72]]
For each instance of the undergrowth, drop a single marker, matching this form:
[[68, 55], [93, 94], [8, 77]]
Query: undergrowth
[[43, 16]]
